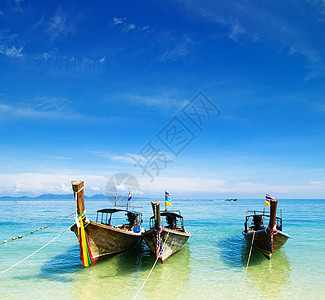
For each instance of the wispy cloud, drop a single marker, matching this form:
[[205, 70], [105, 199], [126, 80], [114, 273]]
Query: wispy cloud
[[236, 31], [52, 108], [39, 23], [117, 21], [177, 48], [71, 63], [166, 101], [7, 44], [15, 6], [257, 22], [61, 24], [127, 158], [11, 51], [58, 157], [126, 26]]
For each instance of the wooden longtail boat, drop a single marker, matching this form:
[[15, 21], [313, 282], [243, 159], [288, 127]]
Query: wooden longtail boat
[[164, 241], [266, 240], [100, 239]]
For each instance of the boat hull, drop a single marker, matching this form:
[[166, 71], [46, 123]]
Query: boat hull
[[106, 241], [263, 241], [172, 241]]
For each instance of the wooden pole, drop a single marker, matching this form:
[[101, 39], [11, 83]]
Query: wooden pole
[[156, 213], [77, 187], [273, 206]]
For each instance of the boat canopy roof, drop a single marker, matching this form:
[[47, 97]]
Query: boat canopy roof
[[170, 214], [263, 213], [114, 210], [167, 213]]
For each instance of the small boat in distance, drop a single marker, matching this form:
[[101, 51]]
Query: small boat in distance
[[235, 199], [100, 239], [266, 240], [164, 241]]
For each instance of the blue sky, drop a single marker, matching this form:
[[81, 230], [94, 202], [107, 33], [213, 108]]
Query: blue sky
[[85, 86]]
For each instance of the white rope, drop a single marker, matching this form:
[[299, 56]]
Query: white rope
[[136, 295], [16, 264], [249, 257], [76, 193]]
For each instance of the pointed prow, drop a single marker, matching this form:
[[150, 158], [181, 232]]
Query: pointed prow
[[78, 189], [156, 213], [272, 222]]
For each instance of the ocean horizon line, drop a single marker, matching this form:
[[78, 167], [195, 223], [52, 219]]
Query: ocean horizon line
[[96, 197]]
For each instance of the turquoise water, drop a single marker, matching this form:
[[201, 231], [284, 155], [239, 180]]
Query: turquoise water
[[212, 264]]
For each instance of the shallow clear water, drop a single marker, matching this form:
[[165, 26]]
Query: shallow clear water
[[211, 265]]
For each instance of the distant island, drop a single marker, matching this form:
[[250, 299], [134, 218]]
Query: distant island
[[51, 197]]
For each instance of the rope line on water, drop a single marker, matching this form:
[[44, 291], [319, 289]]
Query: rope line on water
[[21, 236], [16, 264], [249, 258], [143, 284], [31, 232]]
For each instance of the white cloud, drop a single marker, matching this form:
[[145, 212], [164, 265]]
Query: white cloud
[[117, 21], [236, 31], [42, 183], [164, 101], [131, 26], [254, 21], [126, 26], [53, 108], [179, 48], [11, 51], [5, 108], [127, 158], [181, 187], [59, 157], [71, 63], [61, 24]]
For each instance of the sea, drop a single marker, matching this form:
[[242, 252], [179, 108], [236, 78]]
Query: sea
[[212, 265]]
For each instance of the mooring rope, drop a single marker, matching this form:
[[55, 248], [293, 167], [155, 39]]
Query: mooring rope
[[143, 284], [71, 214], [16, 264], [249, 257]]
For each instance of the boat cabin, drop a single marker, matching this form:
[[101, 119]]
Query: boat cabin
[[134, 218], [258, 220], [174, 220]]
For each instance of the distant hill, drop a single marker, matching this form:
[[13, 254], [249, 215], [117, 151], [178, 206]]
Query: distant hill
[[52, 197]]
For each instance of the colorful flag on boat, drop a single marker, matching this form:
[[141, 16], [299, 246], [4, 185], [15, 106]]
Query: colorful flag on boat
[[167, 199], [130, 196], [115, 196], [267, 199], [85, 252]]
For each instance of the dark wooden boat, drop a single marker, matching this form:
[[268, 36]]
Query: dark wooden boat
[[232, 199], [164, 241], [101, 239], [266, 240]]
